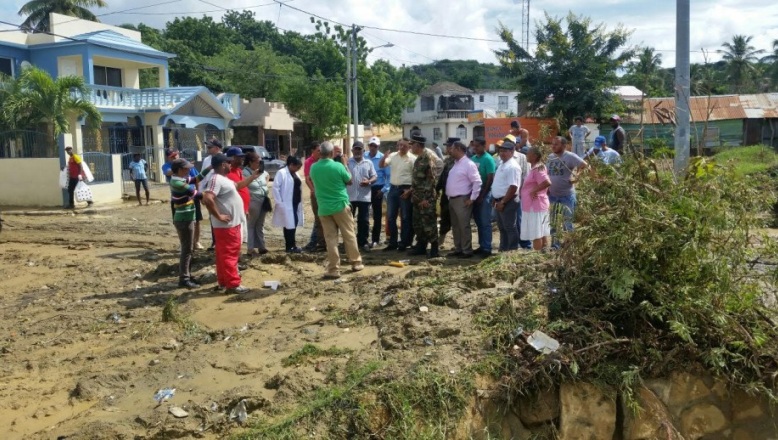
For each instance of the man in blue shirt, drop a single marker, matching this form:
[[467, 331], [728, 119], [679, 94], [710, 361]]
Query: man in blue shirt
[[377, 195], [138, 174], [601, 150]]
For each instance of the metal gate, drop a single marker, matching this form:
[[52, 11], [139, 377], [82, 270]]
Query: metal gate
[[114, 140], [149, 154]]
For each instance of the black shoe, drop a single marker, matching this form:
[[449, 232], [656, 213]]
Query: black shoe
[[294, 250], [454, 254], [434, 253], [390, 248], [466, 256], [419, 249], [188, 284], [89, 203], [402, 248], [481, 251]]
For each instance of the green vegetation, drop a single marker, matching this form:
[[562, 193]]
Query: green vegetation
[[37, 11], [310, 351], [749, 160]]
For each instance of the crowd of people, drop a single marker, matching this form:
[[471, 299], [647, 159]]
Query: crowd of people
[[427, 196]]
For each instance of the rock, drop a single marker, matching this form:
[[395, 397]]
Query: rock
[[742, 434], [178, 412], [275, 382], [446, 332], [539, 409], [679, 391], [424, 309], [586, 412], [745, 407], [153, 362], [387, 300], [652, 422], [207, 277], [171, 345], [701, 420], [87, 390]]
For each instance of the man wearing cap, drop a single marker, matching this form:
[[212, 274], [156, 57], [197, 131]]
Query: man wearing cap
[[75, 175], [316, 243], [212, 147], [330, 179], [603, 152], [445, 216], [618, 135], [376, 193], [183, 194], [236, 156], [521, 137], [423, 197], [359, 191], [463, 187], [505, 195], [482, 208], [563, 168], [398, 201], [221, 198]]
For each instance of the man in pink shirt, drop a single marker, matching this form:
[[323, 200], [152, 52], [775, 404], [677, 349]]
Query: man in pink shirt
[[316, 244], [462, 188]]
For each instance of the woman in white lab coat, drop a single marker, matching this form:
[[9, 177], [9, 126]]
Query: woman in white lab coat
[[288, 194]]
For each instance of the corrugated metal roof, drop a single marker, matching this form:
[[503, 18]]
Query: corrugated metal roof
[[444, 87], [722, 107], [763, 105], [115, 40]]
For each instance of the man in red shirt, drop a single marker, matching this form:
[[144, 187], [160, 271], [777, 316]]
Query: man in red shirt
[[75, 174], [317, 233], [236, 155]]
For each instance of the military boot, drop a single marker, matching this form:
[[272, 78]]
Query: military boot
[[434, 250], [419, 249]]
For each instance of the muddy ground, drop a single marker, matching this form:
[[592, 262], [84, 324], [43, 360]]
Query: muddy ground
[[84, 346]]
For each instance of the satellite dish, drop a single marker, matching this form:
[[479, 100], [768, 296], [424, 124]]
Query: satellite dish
[[26, 65]]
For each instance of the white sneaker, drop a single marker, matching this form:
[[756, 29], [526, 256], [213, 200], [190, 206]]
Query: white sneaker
[[198, 246], [373, 244]]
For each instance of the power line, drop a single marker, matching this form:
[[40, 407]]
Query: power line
[[426, 34]]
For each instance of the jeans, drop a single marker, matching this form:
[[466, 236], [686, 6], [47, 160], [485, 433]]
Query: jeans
[[509, 234], [72, 183], [186, 239], [377, 202], [565, 206], [482, 214], [397, 205], [524, 244], [256, 224], [361, 211]]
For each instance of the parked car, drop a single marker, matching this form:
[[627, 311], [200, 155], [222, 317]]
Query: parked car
[[272, 165]]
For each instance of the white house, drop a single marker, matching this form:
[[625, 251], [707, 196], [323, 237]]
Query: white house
[[446, 109]]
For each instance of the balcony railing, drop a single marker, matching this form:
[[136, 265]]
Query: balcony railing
[[456, 114], [147, 99]]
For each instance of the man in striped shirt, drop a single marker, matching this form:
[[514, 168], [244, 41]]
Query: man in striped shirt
[[183, 193]]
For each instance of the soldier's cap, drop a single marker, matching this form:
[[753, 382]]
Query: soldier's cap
[[178, 164], [451, 140], [507, 145], [418, 139]]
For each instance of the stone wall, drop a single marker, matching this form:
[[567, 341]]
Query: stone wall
[[681, 407]]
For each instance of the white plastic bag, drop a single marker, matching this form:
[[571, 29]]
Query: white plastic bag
[[83, 192], [63, 178], [87, 172]]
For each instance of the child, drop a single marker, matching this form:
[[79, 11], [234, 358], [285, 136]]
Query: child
[[138, 174], [183, 193]]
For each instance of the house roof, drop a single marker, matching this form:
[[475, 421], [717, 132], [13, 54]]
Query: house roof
[[764, 105], [198, 99], [115, 40], [701, 108], [445, 87]]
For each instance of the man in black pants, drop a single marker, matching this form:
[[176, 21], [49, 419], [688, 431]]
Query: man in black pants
[[376, 190]]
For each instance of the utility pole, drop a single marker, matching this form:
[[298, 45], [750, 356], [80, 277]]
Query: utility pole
[[355, 92], [682, 81], [525, 24], [348, 89]]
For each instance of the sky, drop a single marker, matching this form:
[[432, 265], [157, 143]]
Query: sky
[[652, 22]]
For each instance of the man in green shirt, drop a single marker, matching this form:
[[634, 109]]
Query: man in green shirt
[[329, 181], [482, 208]]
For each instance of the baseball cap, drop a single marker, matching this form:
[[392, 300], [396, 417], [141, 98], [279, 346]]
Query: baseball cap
[[509, 138], [615, 118], [178, 164], [235, 152], [507, 145], [213, 143], [358, 144], [171, 152], [218, 160], [599, 141], [374, 141]]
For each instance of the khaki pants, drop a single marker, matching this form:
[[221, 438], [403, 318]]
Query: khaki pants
[[460, 224], [343, 221]]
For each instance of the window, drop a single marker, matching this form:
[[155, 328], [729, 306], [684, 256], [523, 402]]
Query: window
[[437, 134], [410, 109], [462, 132], [108, 76], [481, 98], [502, 103], [427, 103], [6, 66]]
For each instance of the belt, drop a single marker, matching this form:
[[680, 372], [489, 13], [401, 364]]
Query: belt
[[497, 199], [401, 186], [456, 197]]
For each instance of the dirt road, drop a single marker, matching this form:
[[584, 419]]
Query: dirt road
[[85, 348]]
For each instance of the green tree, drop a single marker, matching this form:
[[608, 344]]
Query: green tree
[[37, 12], [572, 68], [320, 102], [382, 92], [646, 72], [772, 61], [740, 57], [36, 98]]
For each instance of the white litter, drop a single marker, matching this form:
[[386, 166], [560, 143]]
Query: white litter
[[542, 342], [272, 284]]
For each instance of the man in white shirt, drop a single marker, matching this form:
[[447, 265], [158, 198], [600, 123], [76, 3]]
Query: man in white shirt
[[602, 151], [578, 133], [398, 201], [505, 197]]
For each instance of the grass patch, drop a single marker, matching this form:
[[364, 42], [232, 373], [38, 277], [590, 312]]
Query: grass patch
[[310, 351], [748, 160]]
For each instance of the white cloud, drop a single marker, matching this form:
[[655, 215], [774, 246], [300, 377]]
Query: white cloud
[[712, 22]]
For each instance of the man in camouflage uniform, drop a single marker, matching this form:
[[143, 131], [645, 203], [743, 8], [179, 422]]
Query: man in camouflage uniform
[[445, 216], [423, 198]]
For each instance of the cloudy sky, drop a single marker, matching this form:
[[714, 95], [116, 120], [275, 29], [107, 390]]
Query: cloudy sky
[[653, 22]]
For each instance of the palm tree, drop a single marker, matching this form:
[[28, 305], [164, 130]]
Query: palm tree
[[38, 11], [740, 57], [647, 71], [35, 98], [772, 59]]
